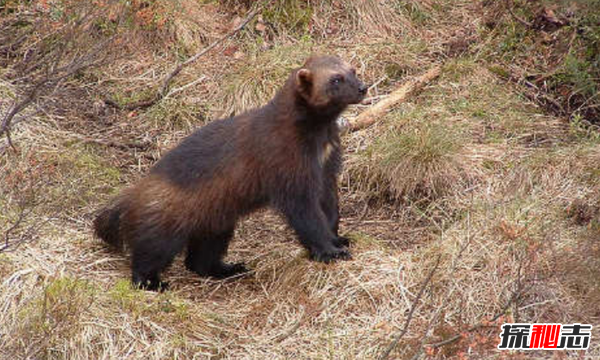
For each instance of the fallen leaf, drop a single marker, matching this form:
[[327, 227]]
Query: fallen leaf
[[260, 27]]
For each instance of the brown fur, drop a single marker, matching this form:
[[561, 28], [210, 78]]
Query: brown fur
[[285, 155]]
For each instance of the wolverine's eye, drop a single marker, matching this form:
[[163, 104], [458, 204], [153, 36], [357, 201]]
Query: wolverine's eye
[[353, 71], [336, 80]]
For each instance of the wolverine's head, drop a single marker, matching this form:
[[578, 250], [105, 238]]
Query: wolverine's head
[[327, 81]]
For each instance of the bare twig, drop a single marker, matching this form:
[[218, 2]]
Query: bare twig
[[19, 232], [15, 225], [358, 222], [12, 244], [16, 108], [519, 19], [515, 296], [514, 299], [181, 88], [162, 92], [191, 60], [461, 251], [48, 70], [537, 95], [115, 144], [414, 306]]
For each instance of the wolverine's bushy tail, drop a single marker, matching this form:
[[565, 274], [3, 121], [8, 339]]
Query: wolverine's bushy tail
[[107, 224]]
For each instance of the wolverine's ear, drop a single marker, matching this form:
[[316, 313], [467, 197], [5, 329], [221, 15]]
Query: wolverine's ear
[[303, 79]]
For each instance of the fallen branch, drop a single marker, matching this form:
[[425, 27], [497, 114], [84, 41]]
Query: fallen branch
[[414, 306], [162, 92], [439, 310], [510, 6], [23, 230], [515, 297], [181, 88], [370, 116], [537, 95], [46, 64], [119, 145]]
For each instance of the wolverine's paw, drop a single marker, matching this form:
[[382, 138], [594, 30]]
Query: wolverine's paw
[[150, 285], [226, 270], [331, 255], [341, 241]]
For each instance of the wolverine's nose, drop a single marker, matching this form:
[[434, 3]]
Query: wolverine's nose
[[363, 89]]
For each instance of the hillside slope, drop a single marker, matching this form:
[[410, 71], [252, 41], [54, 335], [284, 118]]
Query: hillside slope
[[472, 204]]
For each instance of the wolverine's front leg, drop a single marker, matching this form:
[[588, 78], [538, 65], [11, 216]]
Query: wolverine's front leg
[[306, 217], [330, 201], [330, 207]]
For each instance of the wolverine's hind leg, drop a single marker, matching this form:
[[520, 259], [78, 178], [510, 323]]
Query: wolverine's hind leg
[[151, 254], [206, 252]]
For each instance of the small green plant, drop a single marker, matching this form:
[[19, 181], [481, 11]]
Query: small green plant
[[395, 71], [79, 176], [365, 241], [290, 15], [583, 130], [425, 145], [576, 73], [416, 12], [125, 294], [177, 114], [58, 309]]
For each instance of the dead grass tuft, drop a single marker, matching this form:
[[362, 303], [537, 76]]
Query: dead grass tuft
[[425, 161], [255, 81], [505, 195]]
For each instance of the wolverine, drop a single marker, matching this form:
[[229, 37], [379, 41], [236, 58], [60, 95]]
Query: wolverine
[[285, 155]]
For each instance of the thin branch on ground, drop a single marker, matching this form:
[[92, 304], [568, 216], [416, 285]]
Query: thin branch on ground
[[163, 90], [537, 95], [15, 109], [461, 252], [46, 69], [8, 233], [21, 231], [510, 6], [413, 308], [515, 297], [188, 85], [115, 144]]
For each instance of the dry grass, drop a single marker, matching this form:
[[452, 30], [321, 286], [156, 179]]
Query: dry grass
[[421, 162], [255, 81], [468, 171]]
